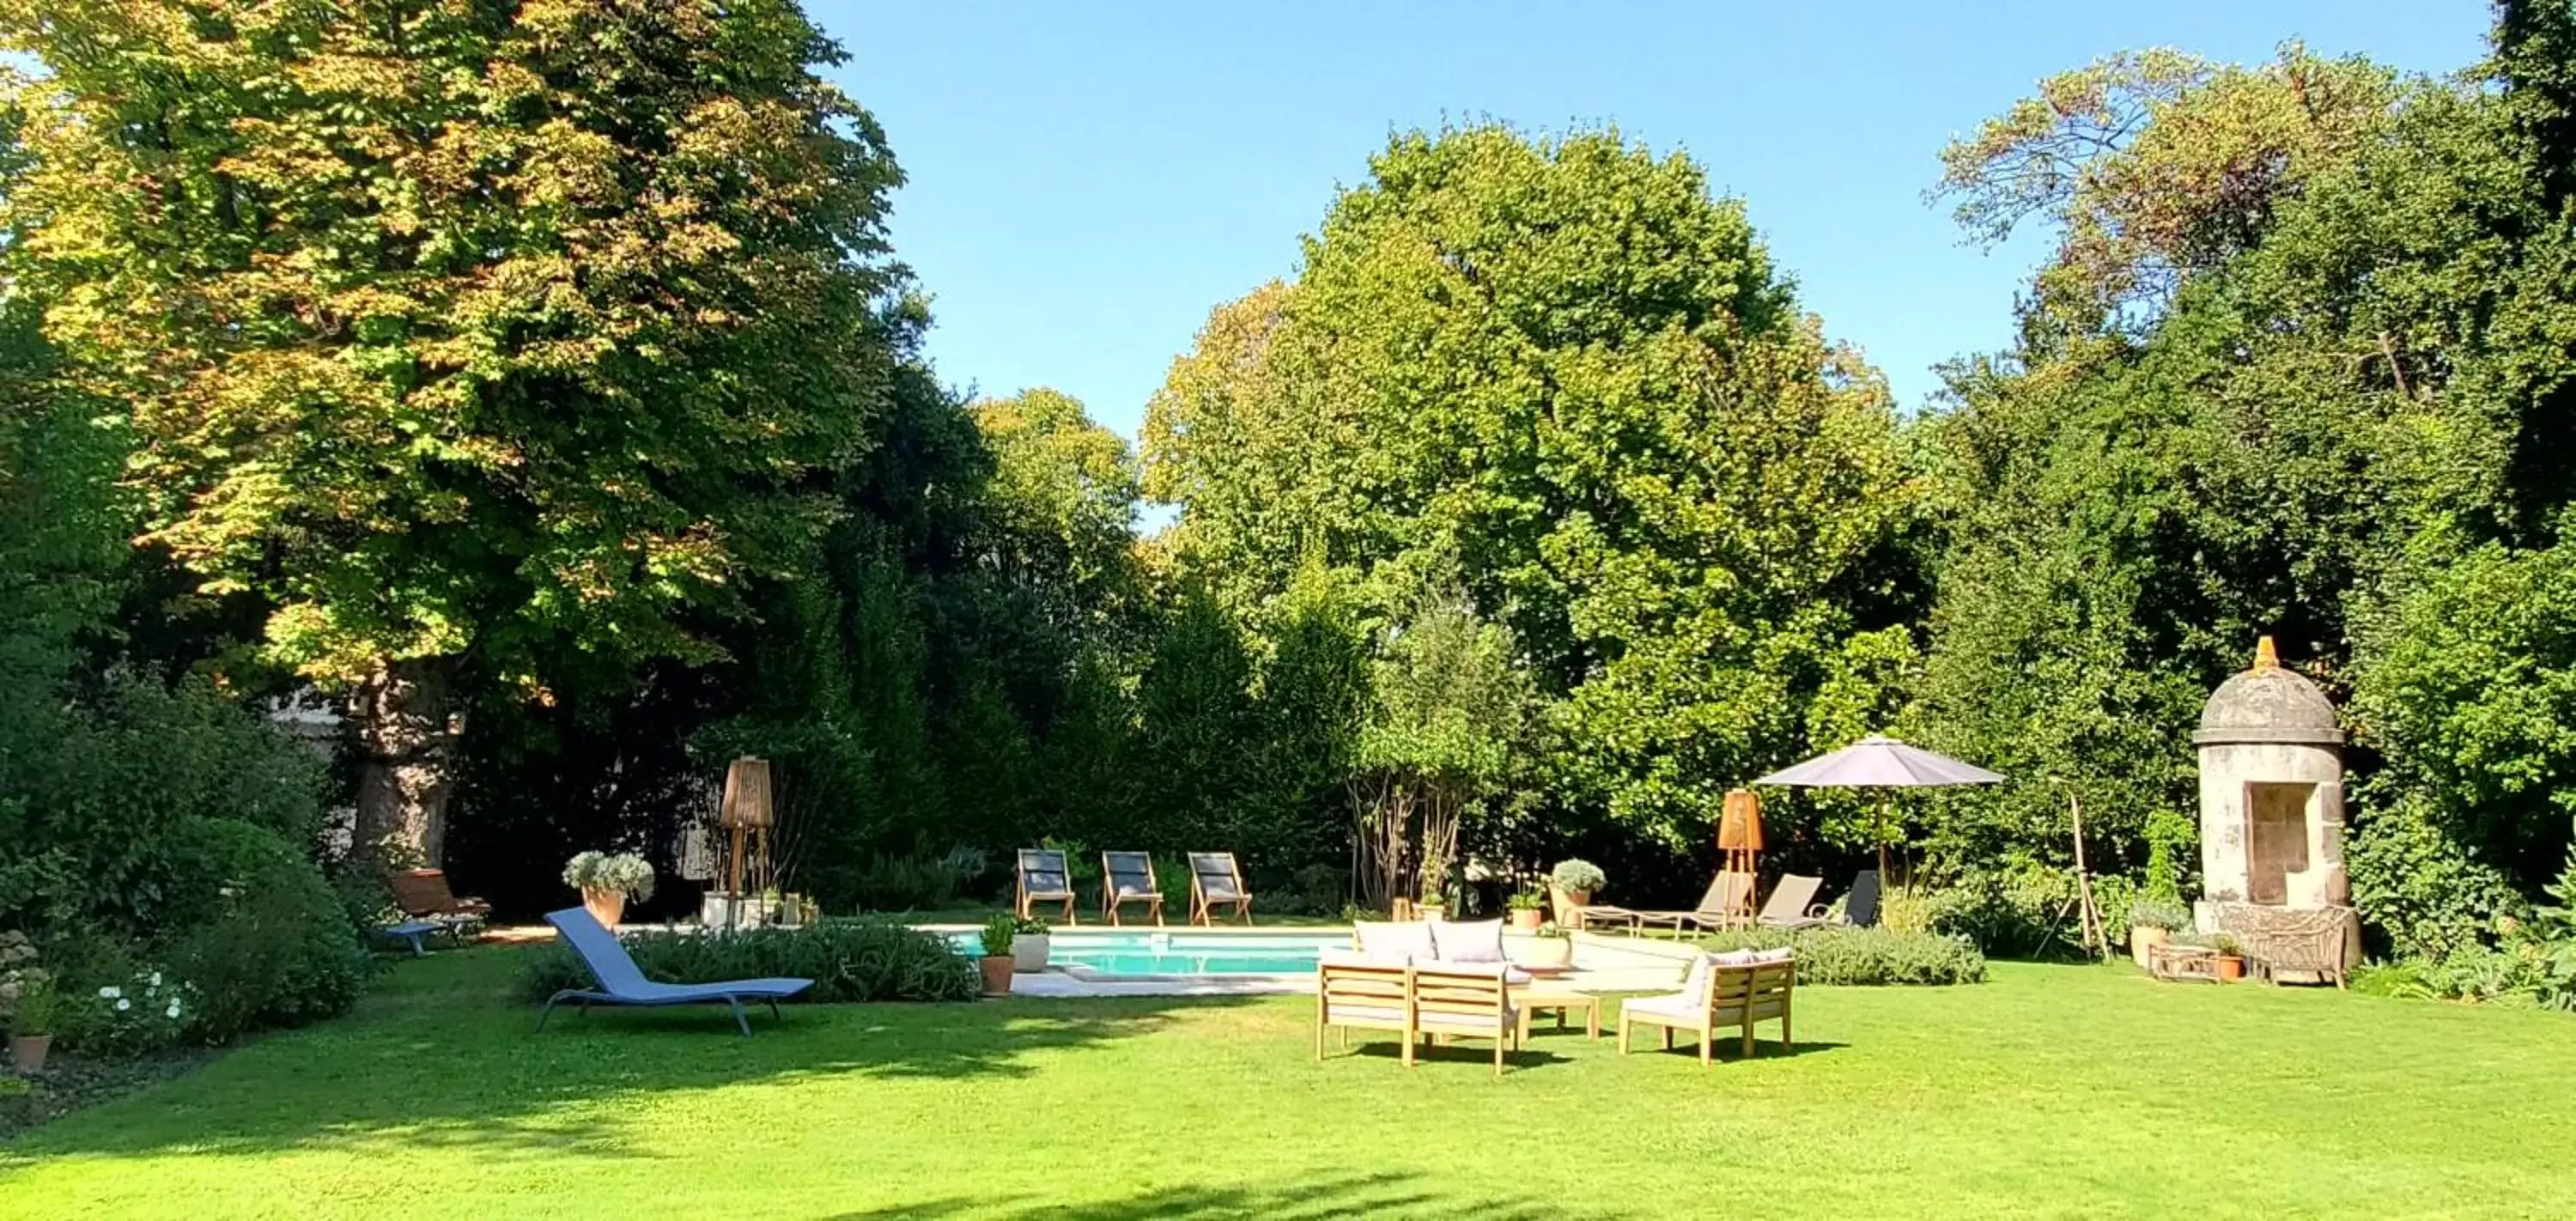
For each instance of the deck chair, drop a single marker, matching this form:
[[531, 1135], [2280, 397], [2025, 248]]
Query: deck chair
[[1793, 903], [1860, 907], [1722, 906], [621, 982], [1128, 877], [422, 894], [1215, 880], [1717, 996], [1043, 877]]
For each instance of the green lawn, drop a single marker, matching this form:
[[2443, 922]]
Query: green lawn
[[2049, 1091]]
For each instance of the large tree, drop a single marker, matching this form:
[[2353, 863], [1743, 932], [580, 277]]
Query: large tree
[[1567, 373], [457, 331]]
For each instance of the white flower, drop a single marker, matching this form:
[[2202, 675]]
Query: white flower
[[123, 1005], [174, 1011], [109, 994], [156, 979]]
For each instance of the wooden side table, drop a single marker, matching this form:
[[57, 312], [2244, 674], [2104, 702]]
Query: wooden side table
[[2183, 962], [1564, 1001]]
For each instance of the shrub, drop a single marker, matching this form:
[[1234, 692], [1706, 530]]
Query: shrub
[[281, 952], [2415, 882], [1575, 873], [848, 960], [623, 872], [137, 1014], [912, 881], [2021, 909], [1865, 956], [2158, 913]]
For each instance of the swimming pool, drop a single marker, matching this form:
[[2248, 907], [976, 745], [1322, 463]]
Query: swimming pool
[[1115, 951]]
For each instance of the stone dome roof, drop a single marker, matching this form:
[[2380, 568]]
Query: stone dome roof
[[2268, 704]]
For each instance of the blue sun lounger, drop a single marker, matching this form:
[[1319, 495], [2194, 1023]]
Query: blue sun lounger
[[624, 983]]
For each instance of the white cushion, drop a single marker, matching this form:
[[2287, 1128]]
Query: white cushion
[[1476, 1022], [1391, 1015], [1676, 1005], [1736, 958], [1473, 941], [1782, 954], [1394, 940]]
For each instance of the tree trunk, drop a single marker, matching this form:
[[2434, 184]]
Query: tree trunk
[[407, 729]]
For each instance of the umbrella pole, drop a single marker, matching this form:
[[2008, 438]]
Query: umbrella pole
[[1884, 877]]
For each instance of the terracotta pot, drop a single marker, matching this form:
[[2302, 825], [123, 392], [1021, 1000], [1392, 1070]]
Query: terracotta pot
[[1527, 919], [1550, 952], [27, 1051], [997, 974], [1029, 952], [606, 906], [2231, 967], [2143, 942], [1566, 902]]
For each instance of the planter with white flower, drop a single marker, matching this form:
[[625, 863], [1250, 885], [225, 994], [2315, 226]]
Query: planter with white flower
[[607, 880], [1574, 881], [1550, 949]]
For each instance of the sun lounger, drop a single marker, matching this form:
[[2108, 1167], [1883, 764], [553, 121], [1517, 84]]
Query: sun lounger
[[1128, 877], [1722, 991], [1216, 881], [1793, 903], [621, 982], [1043, 877], [1860, 907], [1723, 906], [422, 894]]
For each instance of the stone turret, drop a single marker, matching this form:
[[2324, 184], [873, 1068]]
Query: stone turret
[[2271, 792]]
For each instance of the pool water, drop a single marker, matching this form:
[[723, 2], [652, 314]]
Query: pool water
[[1170, 952]]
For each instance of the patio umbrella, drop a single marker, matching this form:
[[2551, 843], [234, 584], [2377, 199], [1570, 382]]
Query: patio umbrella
[[1877, 762]]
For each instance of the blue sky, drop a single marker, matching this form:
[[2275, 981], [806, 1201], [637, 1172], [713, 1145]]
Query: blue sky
[[1087, 180]]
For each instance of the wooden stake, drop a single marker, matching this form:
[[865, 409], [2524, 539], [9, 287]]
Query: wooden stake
[[2096, 938]]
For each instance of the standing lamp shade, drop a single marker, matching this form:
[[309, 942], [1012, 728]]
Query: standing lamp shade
[[1739, 841], [746, 795], [1740, 828]]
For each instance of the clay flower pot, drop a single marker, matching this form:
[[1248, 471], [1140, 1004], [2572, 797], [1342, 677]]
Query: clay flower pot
[[605, 906], [997, 973], [1566, 903], [1527, 919], [2144, 941], [28, 1051], [2231, 966]]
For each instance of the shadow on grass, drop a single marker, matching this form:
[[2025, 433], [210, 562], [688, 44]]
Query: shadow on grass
[[1730, 1049], [1305, 1200], [444, 1053]]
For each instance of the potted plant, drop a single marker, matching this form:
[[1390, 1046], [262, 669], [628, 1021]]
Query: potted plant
[[2152, 924], [1528, 910], [1550, 948], [2231, 955], [1030, 946], [996, 963], [606, 880], [31, 1028], [1574, 880]]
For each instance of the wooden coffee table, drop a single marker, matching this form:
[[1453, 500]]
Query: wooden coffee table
[[1564, 1000]]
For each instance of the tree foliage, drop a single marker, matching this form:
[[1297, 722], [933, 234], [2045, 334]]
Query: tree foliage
[[457, 331]]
